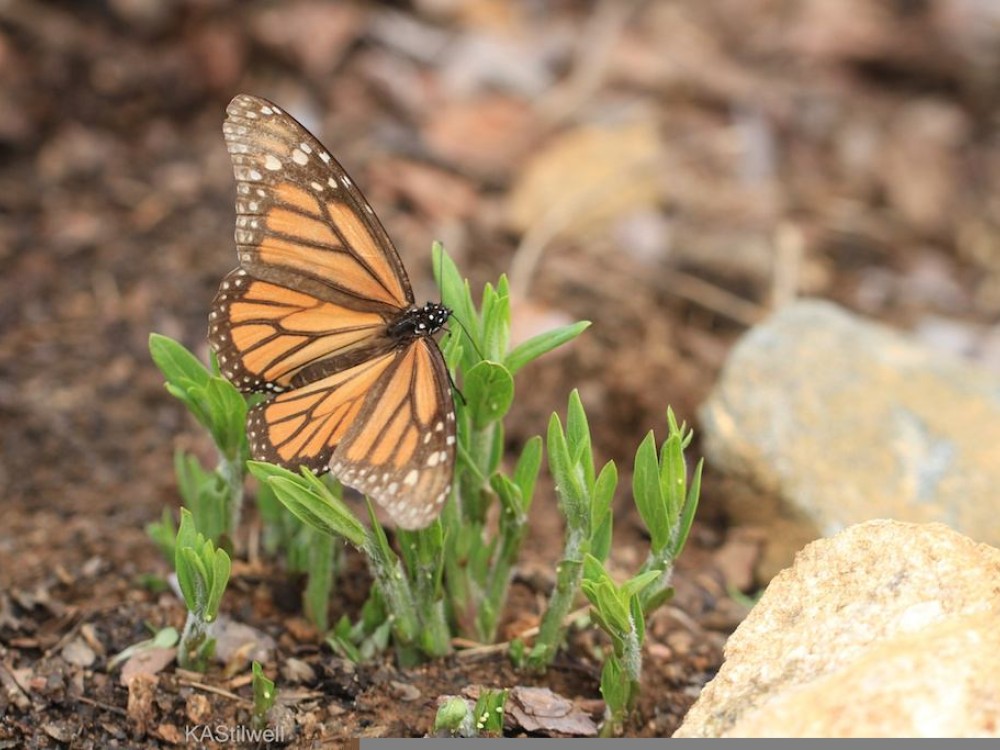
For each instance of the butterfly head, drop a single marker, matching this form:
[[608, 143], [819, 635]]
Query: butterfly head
[[420, 321]]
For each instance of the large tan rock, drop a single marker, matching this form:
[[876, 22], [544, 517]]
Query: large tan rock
[[824, 419], [886, 630]]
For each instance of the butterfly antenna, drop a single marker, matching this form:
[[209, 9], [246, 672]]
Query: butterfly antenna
[[454, 387], [467, 335]]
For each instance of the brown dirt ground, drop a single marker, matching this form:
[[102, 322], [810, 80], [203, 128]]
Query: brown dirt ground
[[842, 150]]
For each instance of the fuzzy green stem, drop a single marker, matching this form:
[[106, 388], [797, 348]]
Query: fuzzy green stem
[[232, 471], [511, 536], [414, 629], [316, 597], [478, 501], [654, 593], [196, 645], [569, 573]]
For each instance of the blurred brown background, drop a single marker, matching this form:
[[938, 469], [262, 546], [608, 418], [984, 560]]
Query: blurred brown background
[[670, 170]]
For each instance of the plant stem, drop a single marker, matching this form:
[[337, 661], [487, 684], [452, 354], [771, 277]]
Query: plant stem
[[316, 597], [232, 472], [569, 572], [479, 499], [659, 590], [195, 645], [511, 535]]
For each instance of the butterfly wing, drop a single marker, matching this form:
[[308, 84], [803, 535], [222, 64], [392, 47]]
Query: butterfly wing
[[319, 278], [301, 222], [303, 426], [306, 316], [270, 337], [401, 448], [385, 427]]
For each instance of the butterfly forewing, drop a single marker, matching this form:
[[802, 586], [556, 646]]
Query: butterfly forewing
[[321, 312], [301, 221]]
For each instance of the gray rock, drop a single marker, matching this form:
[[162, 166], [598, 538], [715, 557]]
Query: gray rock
[[886, 630], [823, 419]]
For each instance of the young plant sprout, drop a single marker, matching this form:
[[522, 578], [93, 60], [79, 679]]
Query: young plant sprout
[[264, 695], [454, 717], [202, 574], [215, 497]]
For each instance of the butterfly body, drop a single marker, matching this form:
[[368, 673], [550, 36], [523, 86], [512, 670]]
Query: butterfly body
[[419, 321], [321, 315]]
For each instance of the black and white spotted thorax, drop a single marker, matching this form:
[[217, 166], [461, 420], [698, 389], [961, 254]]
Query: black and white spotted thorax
[[419, 321]]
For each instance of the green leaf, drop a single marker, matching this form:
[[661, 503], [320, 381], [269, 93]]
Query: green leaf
[[451, 347], [264, 695], [690, 508], [317, 511], [648, 494], [227, 415], [526, 470], [496, 321], [578, 436], [510, 499], [489, 391], [193, 397], [593, 570], [569, 486], [673, 476], [601, 517], [320, 570], [311, 500], [612, 608], [517, 652], [165, 638], [488, 713], [637, 583], [205, 494], [187, 574], [638, 619], [219, 579], [659, 597], [263, 471], [176, 363], [614, 685], [543, 343], [164, 533], [190, 577]]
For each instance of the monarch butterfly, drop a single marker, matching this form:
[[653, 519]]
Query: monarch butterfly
[[320, 315]]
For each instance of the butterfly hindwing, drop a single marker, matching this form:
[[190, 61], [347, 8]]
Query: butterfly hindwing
[[303, 427], [402, 444], [265, 334]]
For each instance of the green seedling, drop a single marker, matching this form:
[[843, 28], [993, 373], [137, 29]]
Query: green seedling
[[617, 610], [585, 502], [478, 558], [202, 575], [264, 695], [215, 497], [667, 506], [454, 716], [666, 503]]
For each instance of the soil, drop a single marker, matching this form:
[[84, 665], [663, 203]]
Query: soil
[[847, 151]]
